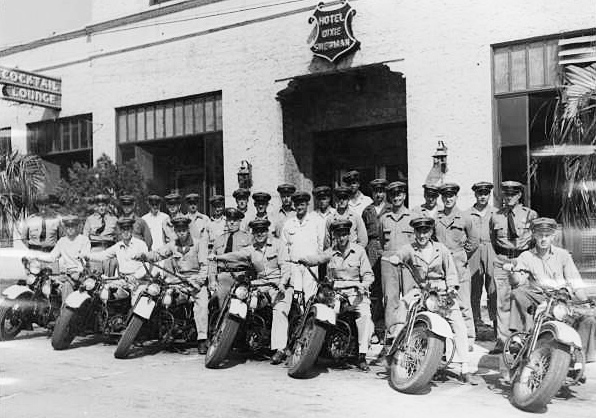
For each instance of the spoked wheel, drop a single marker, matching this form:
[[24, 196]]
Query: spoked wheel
[[541, 377], [11, 321], [413, 366], [306, 349]]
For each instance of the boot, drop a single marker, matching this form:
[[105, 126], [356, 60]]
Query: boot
[[202, 347], [362, 365], [278, 357]]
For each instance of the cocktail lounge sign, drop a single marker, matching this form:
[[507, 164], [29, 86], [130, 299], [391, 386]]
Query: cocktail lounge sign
[[332, 35], [25, 87]]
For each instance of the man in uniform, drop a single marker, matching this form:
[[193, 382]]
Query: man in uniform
[[511, 235], [261, 202], [100, 227], [371, 217], [173, 203], [323, 208], [268, 257], [188, 257], [481, 260], [286, 191], [358, 233], [455, 230], [241, 196], [198, 221], [217, 221], [430, 207], [358, 200], [396, 232], [232, 240], [155, 220], [140, 229], [41, 230], [303, 235]]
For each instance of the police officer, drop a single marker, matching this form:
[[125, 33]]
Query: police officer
[[323, 209], [510, 234], [232, 240], [481, 260], [261, 203], [140, 229], [173, 203], [396, 233], [198, 221], [286, 210], [155, 219], [241, 196], [100, 227], [41, 230], [358, 233], [217, 221], [455, 230], [268, 257], [430, 207], [358, 200]]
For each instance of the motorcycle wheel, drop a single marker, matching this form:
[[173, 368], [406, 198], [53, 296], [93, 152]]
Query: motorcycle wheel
[[10, 325], [221, 342], [306, 349], [412, 369], [128, 337], [65, 329], [541, 377]]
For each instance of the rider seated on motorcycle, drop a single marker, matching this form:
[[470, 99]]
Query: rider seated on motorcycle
[[348, 267], [69, 251], [188, 257], [550, 267], [268, 257], [432, 262]]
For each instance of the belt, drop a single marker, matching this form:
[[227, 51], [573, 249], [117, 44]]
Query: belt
[[95, 244], [36, 247], [509, 252], [233, 269]]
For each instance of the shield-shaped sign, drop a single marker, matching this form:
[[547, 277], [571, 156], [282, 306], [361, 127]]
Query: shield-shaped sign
[[332, 34]]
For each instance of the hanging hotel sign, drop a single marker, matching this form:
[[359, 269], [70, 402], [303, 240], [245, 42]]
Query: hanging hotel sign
[[332, 34], [24, 87]]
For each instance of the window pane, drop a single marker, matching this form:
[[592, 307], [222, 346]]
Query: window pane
[[501, 70], [178, 119], [169, 120], [512, 123], [209, 114], [150, 122], [140, 124], [552, 75], [75, 142], [131, 126], [536, 64], [159, 121], [85, 128], [199, 116], [122, 134], [188, 118], [518, 69], [218, 114]]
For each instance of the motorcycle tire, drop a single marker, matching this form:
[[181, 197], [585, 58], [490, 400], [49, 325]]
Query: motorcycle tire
[[64, 331], [528, 396], [306, 349], [128, 337], [6, 316], [410, 379], [221, 343]]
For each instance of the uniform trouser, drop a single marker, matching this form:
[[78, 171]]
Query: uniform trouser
[[107, 267], [395, 280], [66, 288], [503, 296], [225, 281], [464, 295], [522, 297], [586, 328], [373, 250], [303, 280], [279, 324], [201, 312], [364, 323], [481, 269]]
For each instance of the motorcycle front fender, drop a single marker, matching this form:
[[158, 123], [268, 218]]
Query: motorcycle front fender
[[324, 313], [76, 299], [436, 324], [144, 307], [238, 308], [15, 291], [562, 332]]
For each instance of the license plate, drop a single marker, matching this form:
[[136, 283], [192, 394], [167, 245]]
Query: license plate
[[144, 307], [238, 308], [325, 313]]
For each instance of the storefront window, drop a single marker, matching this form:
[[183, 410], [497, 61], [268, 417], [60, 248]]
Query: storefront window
[[5, 143]]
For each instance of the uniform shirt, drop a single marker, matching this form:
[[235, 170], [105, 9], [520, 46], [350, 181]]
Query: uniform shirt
[[440, 270], [155, 223], [349, 266], [359, 202], [268, 260], [371, 216], [522, 217], [140, 230], [358, 233], [31, 230], [168, 228], [240, 240], [124, 253], [279, 217], [93, 223], [215, 228], [555, 270], [480, 221], [424, 210], [67, 251], [396, 230], [323, 216], [457, 232], [198, 225], [303, 237], [192, 255]]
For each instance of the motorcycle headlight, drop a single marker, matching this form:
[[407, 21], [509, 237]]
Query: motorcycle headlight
[[89, 284], [153, 289], [34, 267], [167, 298], [432, 303], [46, 289], [560, 311], [241, 292], [31, 279]]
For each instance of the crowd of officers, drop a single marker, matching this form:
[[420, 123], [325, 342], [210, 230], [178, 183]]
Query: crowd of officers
[[359, 242]]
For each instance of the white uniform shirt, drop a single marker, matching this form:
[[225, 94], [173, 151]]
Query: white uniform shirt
[[155, 223], [359, 202], [303, 238]]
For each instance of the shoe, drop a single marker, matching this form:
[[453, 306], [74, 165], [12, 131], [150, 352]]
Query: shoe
[[469, 379], [362, 363], [278, 357], [202, 347], [498, 349]]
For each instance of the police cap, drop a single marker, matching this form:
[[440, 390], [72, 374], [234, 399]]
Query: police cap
[[431, 189], [101, 198], [340, 225], [298, 197], [449, 189], [378, 184], [173, 198], [180, 221], [125, 222], [127, 199], [217, 199], [397, 187], [192, 198], [233, 214], [259, 225], [321, 191], [482, 186], [511, 187], [422, 222], [153, 198], [342, 192], [286, 189], [351, 177], [241, 193], [544, 225], [262, 197]]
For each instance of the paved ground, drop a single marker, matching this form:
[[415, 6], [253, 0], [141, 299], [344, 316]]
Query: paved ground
[[86, 381]]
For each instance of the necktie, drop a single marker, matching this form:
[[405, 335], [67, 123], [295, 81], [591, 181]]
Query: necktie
[[511, 231], [42, 235], [102, 227], [229, 243]]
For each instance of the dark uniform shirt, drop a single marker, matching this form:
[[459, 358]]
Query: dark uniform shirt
[[498, 226]]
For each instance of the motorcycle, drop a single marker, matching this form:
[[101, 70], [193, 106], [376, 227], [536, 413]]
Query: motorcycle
[[35, 299], [99, 305], [546, 358], [425, 343], [163, 311], [327, 328]]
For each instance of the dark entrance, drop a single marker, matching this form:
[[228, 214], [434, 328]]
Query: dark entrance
[[345, 120]]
